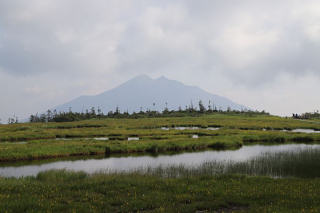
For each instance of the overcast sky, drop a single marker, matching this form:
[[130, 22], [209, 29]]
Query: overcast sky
[[262, 54]]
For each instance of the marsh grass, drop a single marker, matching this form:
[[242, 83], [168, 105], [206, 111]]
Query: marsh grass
[[47, 140], [64, 191], [302, 163], [208, 187]]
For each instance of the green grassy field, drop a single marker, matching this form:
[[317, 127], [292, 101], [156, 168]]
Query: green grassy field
[[61, 191], [48, 140]]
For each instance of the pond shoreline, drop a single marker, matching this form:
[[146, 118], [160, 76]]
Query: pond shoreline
[[154, 148], [191, 162]]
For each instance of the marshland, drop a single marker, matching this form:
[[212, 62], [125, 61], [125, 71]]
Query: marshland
[[159, 106], [238, 162]]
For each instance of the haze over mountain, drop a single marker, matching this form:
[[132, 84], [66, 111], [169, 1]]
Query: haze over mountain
[[143, 92]]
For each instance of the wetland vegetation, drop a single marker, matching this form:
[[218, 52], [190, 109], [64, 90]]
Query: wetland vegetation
[[48, 140], [63, 191], [285, 181], [287, 160]]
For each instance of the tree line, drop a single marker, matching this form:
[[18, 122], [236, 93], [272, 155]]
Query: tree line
[[93, 113], [307, 115]]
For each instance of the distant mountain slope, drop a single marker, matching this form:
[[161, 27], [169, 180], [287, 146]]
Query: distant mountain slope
[[146, 93]]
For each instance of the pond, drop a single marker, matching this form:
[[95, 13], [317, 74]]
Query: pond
[[190, 128], [96, 138], [271, 160], [133, 138], [305, 130], [195, 136]]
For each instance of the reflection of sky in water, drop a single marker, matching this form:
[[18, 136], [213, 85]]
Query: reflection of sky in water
[[133, 138], [190, 128], [305, 131], [130, 163], [302, 131]]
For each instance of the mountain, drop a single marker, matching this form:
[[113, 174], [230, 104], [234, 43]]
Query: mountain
[[147, 93]]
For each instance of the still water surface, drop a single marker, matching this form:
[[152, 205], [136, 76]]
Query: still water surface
[[306, 131], [130, 163]]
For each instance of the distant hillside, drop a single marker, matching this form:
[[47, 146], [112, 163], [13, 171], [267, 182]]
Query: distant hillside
[[143, 92]]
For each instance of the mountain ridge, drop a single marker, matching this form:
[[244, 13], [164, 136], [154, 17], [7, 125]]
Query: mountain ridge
[[143, 92]]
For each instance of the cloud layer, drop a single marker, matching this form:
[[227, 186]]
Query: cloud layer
[[54, 50]]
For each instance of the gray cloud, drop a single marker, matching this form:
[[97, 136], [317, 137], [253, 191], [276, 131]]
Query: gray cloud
[[55, 36], [252, 43], [88, 47]]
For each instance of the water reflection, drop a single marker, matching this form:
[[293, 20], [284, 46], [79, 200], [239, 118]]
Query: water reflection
[[129, 163], [133, 138], [190, 128], [95, 138], [305, 131], [101, 139]]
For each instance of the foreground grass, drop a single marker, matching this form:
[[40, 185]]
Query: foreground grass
[[61, 191]]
